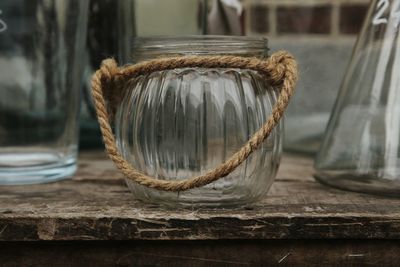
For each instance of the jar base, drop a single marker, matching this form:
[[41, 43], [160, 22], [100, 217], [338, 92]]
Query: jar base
[[199, 197], [361, 183], [35, 168]]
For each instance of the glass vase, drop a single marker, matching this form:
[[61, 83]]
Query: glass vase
[[41, 44], [361, 148], [180, 123]]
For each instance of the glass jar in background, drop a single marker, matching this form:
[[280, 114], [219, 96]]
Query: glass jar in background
[[179, 123], [41, 44], [361, 148]]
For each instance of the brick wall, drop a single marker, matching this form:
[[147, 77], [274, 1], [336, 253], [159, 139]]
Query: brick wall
[[319, 17], [321, 35]]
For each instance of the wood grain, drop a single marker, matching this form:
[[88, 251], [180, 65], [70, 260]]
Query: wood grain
[[97, 205], [379, 253]]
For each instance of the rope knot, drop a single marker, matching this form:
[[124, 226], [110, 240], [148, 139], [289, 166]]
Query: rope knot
[[108, 69], [281, 64]]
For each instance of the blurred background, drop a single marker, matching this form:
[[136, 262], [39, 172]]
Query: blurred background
[[320, 33]]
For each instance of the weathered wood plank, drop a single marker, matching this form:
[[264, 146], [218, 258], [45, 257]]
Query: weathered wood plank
[[96, 205], [308, 253]]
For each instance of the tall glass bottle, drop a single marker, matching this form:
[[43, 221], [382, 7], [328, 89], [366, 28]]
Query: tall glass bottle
[[361, 148]]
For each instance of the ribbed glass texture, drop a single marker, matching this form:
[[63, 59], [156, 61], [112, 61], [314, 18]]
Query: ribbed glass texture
[[179, 123]]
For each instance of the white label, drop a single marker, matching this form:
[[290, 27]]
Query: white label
[[382, 6], [394, 16], [3, 25], [234, 4]]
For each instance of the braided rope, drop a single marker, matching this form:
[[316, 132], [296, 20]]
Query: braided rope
[[279, 70]]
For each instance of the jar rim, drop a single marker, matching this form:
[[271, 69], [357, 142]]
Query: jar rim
[[200, 44]]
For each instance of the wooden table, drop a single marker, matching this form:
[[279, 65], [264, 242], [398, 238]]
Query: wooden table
[[93, 219]]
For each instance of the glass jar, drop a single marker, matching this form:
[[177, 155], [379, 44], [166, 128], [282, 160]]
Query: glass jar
[[41, 44], [179, 123]]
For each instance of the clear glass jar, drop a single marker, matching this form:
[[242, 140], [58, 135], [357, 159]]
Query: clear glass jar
[[179, 123], [41, 44]]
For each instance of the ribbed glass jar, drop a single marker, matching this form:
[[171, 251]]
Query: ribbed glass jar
[[179, 123]]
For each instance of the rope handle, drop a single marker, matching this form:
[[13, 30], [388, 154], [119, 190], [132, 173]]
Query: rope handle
[[279, 70]]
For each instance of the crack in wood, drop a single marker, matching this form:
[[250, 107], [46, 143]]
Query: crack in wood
[[284, 258], [3, 229]]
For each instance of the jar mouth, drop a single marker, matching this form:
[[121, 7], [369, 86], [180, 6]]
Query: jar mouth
[[148, 47]]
